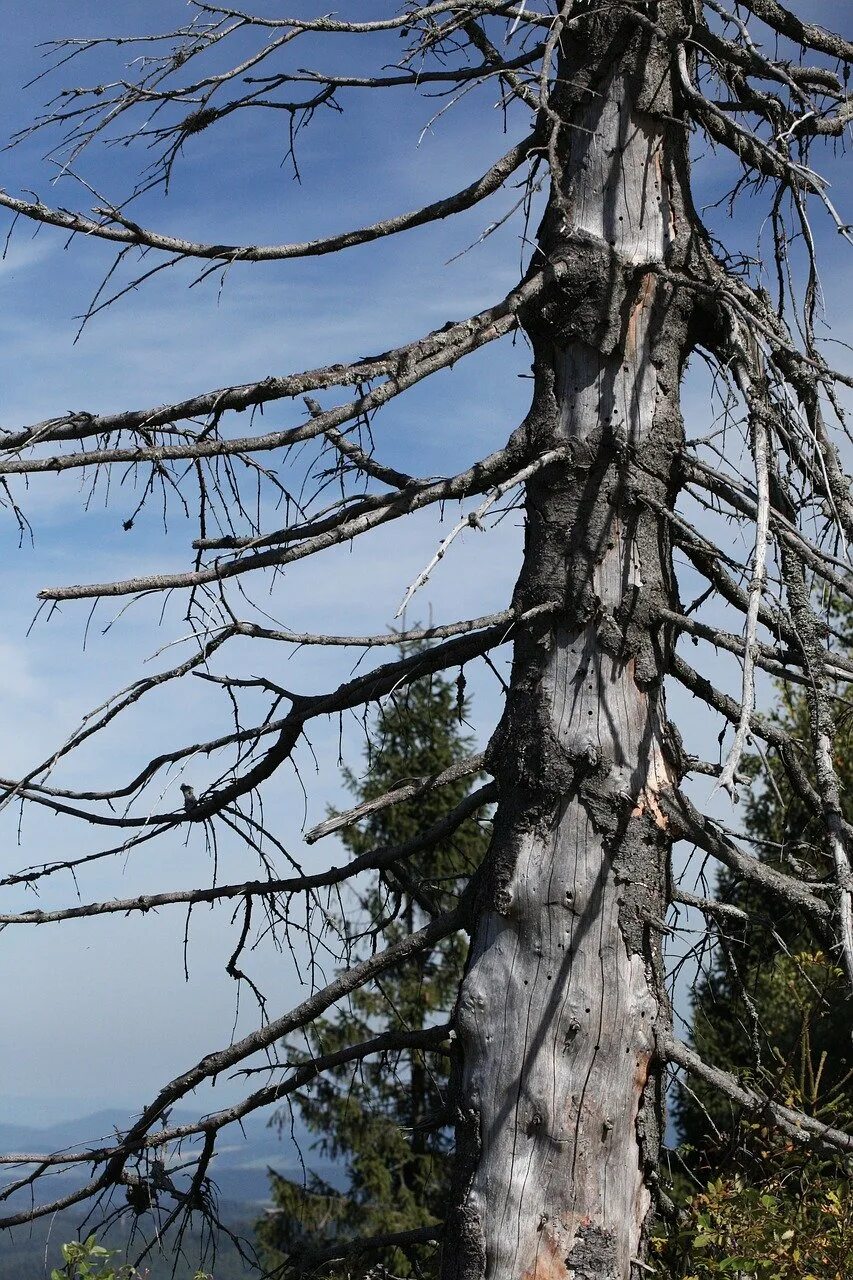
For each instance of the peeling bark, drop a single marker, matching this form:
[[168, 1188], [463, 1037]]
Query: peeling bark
[[559, 1086]]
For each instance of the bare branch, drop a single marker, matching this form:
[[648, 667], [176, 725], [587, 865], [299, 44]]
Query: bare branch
[[760, 446], [375, 860], [214, 1064], [796, 1124], [411, 790], [113, 226], [693, 825], [403, 367]]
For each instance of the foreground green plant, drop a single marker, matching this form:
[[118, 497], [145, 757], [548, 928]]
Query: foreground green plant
[[769, 1208], [787, 1228], [88, 1260]]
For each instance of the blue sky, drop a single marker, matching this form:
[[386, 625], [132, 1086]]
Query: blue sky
[[67, 1013], [98, 1013]]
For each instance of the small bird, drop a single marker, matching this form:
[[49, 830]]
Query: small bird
[[190, 797]]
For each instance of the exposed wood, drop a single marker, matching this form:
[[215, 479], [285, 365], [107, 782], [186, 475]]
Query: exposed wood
[[559, 1084]]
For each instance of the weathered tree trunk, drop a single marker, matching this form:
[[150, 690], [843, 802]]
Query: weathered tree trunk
[[560, 1105]]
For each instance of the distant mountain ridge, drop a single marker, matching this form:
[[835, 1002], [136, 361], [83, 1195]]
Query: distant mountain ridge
[[239, 1172], [244, 1153]]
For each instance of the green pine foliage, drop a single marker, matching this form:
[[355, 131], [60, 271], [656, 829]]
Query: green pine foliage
[[387, 1119], [773, 1005], [774, 1009]]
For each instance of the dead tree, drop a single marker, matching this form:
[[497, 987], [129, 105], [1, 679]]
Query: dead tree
[[563, 1031]]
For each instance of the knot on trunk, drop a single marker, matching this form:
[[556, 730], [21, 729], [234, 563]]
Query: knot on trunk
[[583, 296], [536, 768]]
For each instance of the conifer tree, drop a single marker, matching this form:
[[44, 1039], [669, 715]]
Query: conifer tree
[[777, 1013], [772, 1007], [387, 1119]]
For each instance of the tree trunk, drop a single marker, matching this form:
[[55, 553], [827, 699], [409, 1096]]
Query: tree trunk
[[559, 1089]]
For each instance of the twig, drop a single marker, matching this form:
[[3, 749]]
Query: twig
[[474, 518]]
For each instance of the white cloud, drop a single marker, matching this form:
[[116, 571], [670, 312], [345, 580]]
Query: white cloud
[[26, 251]]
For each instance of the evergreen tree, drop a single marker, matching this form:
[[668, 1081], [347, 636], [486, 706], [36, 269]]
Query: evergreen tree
[[387, 1119], [780, 1014], [757, 1203]]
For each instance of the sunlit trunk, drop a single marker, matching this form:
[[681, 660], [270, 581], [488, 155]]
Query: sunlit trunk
[[559, 1089]]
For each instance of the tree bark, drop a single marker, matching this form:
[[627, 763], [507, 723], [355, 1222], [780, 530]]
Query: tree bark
[[559, 1087]]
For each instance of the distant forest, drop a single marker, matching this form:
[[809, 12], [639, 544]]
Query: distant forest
[[28, 1253]]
